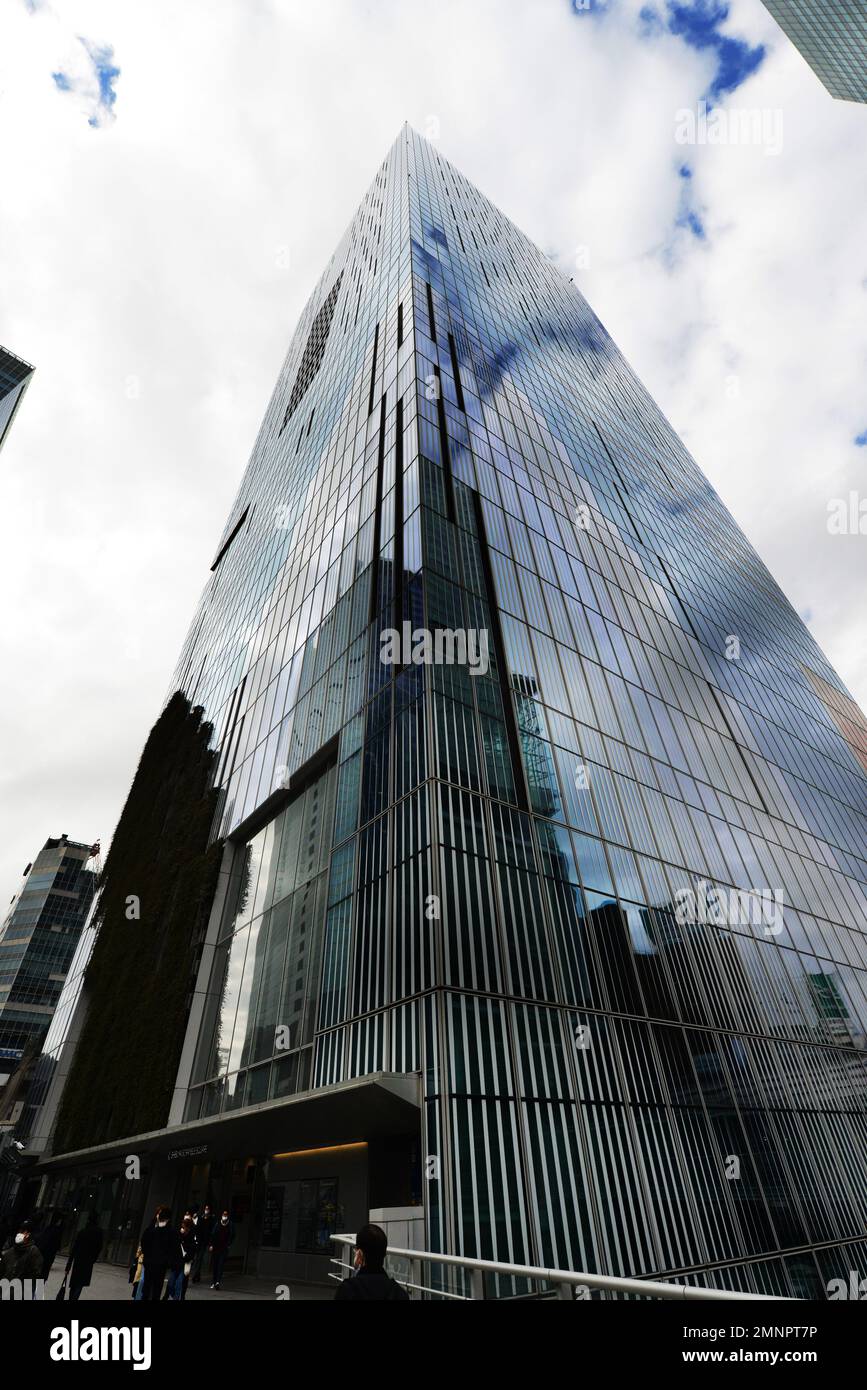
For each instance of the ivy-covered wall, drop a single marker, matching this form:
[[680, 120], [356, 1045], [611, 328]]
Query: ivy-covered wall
[[157, 886]]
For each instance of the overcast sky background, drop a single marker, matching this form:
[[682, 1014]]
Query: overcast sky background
[[174, 179]]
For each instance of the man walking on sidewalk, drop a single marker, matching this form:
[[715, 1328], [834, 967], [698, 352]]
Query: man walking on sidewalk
[[221, 1238]]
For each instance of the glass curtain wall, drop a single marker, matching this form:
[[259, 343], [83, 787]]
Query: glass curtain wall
[[604, 890]]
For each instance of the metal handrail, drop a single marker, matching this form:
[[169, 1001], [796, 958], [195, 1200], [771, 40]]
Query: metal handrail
[[405, 1283], [567, 1279]]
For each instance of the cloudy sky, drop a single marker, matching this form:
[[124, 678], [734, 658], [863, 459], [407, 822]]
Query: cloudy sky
[[174, 178]]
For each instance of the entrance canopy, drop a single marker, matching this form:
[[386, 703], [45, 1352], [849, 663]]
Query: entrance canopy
[[367, 1107]]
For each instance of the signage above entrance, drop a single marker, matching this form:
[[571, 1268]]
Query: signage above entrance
[[188, 1153]]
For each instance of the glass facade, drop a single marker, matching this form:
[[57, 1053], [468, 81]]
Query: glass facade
[[604, 890], [52, 1065], [14, 379], [256, 1041], [832, 38], [38, 940]]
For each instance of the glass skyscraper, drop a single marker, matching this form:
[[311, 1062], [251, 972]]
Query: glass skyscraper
[[50, 1070], [832, 37], [37, 942], [534, 790], [14, 379]]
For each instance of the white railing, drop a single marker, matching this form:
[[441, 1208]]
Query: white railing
[[564, 1281]]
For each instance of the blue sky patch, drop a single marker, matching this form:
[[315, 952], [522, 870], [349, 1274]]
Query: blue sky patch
[[650, 22], [102, 57], [687, 213], [92, 81], [699, 24], [589, 7]]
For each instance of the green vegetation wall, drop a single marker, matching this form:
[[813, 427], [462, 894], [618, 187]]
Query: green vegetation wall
[[140, 976]]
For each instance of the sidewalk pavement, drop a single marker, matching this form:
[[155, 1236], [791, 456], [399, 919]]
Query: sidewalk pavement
[[110, 1284]]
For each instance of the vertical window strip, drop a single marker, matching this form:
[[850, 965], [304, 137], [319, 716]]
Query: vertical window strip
[[444, 448], [430, 313], [377, 517], [373, 370], [398, 516], [456, 372]]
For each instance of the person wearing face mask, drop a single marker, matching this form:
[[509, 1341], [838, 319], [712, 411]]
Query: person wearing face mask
[[22, 1259], [178, 1283], [370, 1283], [204, 1223], [162, 1252], [221, 1238]]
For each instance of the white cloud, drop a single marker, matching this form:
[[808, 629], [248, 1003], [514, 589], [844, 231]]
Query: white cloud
[[153, 270]]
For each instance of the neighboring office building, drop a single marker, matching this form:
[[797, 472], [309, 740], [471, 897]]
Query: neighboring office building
[[14, 379], [37, 942], [48, 1074], [447, 978], [832, 36]]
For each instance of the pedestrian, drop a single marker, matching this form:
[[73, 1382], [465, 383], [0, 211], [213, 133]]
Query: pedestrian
[[22, 1260], [48, 1242], [138, 1269], [161, 1250], [83, 1256], [178, 1279], [204, 1226], [136, 1274], [370, 1283], [221, 1238]]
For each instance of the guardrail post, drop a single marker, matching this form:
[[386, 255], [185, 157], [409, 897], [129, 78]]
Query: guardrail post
[[565, 1291], [477, 1284]]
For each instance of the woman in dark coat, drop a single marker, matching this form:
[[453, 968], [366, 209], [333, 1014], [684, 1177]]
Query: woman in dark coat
[[178, 1278], [83, 1256]]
